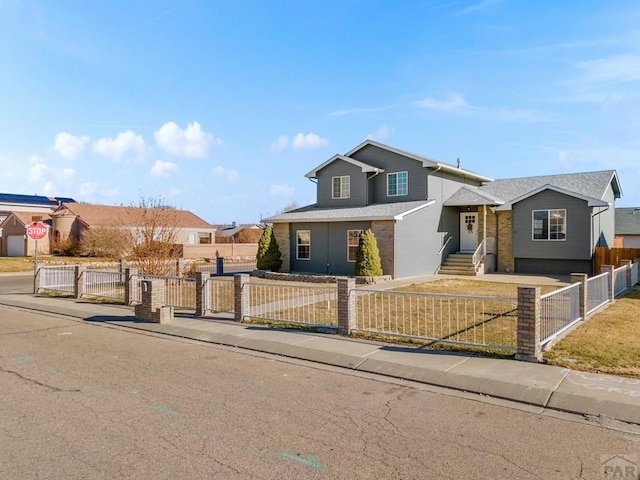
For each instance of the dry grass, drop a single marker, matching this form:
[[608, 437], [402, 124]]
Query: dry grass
[[457, 286], [25, 264], [608, 342]]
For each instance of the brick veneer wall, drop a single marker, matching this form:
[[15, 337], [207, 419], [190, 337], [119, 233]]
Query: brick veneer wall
[[384, 231], [503, 243], [281, 232]]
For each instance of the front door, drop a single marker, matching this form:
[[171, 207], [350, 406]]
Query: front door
[[468, 231]]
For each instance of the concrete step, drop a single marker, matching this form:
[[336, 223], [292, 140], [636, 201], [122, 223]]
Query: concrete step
[[456, 271]]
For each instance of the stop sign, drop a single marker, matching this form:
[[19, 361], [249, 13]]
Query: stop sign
[[36, 230]]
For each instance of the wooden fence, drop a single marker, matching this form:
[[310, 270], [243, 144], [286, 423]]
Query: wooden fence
[[613, 256]]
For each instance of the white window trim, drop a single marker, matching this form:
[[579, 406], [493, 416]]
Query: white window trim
[[300, 244], [360, 232], [396, 174], [548, 210], [342, 178]]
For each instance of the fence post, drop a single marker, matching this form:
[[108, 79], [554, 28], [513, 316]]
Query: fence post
[[121, 265], [179, 266], [78, 281], [528, 343], [627, 264], [346, 306], [129, 272], [611, 281], [219, 265], [581, 278], [38, 277], [200, 293], [241, 296]]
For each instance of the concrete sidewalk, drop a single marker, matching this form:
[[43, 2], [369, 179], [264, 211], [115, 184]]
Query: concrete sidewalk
[[543, 386]]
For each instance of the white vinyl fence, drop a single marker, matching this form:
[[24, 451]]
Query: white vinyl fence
[[470, 320], [620, 276], [560, 310], [180, 292], [103, 284], [219, 294], [597, 292], [58, 278], [297, 304]]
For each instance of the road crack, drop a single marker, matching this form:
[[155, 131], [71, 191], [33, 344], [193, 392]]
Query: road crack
[[36, 382]]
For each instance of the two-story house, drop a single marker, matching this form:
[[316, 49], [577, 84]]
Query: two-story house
[[423, 212]]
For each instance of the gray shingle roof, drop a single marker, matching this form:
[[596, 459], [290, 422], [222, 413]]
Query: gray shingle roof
[[380, 211], [590, 184], [628, 221]]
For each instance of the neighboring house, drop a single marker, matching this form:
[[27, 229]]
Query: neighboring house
[[238, 233], [72, 219], [10, 202], [14, 241], [627, 227], [422, 211]]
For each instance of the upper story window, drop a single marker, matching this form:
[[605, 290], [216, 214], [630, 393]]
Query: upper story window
[[303, 244], [353, 239], [341, 187], [397, 184], [549, 224]]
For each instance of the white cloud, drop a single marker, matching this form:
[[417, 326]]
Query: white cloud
[[284, 191], [280, 144], [229, 175], [613, 70], [116, 148], [163, 169], [56, 180], [92, 190], [454, 101], [381, 133], [191, 142], [69, 146], [308, 141]]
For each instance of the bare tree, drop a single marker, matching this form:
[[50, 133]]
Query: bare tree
[[104, 241], [153, 229]]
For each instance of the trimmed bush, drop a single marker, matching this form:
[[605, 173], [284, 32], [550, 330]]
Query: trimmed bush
[[268, 256], [367, 256]]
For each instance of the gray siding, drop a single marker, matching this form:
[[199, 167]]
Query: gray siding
[[577, 245], [604, 220], [392, 163], [328, 247], [553, 267], [358, 185], [417, 243]]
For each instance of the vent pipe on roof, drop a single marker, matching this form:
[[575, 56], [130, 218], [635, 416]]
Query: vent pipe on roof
[[459, 162]]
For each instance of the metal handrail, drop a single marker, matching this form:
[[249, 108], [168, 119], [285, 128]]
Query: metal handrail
[[444, 245], [476, 261]]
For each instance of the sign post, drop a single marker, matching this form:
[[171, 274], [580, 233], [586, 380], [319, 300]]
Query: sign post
[[36, 230]]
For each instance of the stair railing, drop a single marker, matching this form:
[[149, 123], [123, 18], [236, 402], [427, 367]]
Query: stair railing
[[479, 255]]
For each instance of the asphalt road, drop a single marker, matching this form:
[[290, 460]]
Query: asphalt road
[[16, 283], [90, 401]]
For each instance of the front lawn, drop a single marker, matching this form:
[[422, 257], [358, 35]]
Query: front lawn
[[25, 264]]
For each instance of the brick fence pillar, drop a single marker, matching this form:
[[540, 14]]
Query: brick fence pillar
[[611, 284], [346, 305], [200, 294], [241, 296], [581, 278], [78, 282], [528, 343], [122, 264], [129, 273]]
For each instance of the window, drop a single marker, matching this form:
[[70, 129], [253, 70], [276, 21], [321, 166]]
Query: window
[[341, 187], [549, 224], [353, 238], [204, 238], [397, 184], [303, 241], [192, 239]]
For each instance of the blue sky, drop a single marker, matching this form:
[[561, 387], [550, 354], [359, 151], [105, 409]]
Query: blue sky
[[222, 106]]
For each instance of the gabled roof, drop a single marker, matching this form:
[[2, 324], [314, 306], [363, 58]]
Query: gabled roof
[[470, 195], [222, 231], [363, 166], [116, 216], [25, 218], [33, 199], [591, 202], [589, 184], [628, 221], [426, 162], [379, 211]]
